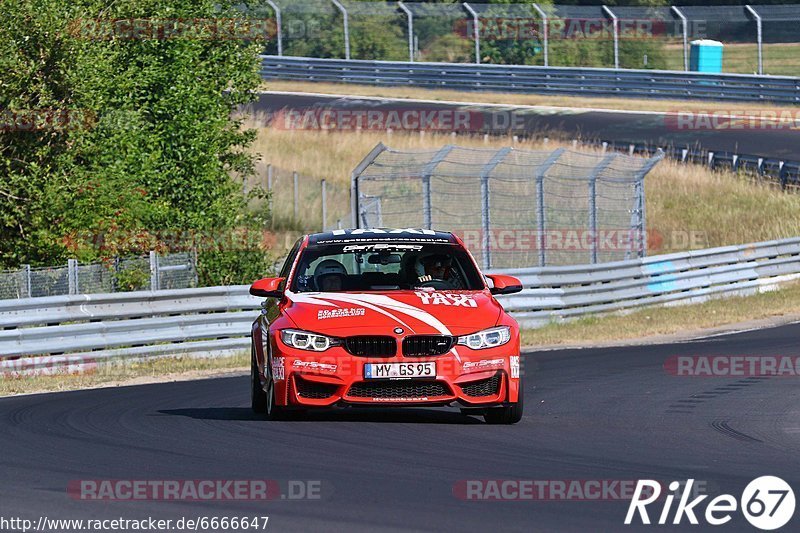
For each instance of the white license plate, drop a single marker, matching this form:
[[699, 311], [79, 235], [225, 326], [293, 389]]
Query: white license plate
[[399, 370]]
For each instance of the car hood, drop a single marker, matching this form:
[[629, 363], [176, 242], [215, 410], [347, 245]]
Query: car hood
[[379, 313]]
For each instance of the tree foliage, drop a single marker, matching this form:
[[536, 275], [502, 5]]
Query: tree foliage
[[149, 144]]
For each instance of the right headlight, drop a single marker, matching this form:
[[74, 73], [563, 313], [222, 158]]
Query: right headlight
[[305, 340], [488, 338]]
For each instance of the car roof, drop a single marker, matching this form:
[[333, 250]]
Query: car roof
[[382, 235]]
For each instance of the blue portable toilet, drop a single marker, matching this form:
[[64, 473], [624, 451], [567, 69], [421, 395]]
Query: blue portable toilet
[[706, 56]]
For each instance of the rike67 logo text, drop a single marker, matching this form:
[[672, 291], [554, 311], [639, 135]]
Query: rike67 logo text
[[767, 503]]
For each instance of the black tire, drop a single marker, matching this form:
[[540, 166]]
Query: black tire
[[508, 414], [258, 398]]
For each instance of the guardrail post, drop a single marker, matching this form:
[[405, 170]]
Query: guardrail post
[[782, 174], [72, 276], [685, 24], [475, 32], [323, 191], [26, 269], [296, 194], [759, 36], [545, 31], [615, 25], [278, 24], [346, 28], [410, 26], [154, 281]]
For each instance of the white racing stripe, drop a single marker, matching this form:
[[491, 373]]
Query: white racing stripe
[[379, 303]]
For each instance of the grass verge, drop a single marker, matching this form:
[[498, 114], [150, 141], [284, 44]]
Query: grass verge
[[125, 373], [624, 104], [656, 321]]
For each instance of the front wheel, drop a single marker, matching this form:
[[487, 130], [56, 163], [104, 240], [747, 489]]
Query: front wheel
[[510, 414]]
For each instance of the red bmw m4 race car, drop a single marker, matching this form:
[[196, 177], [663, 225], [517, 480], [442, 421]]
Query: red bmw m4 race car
[[388, 318]]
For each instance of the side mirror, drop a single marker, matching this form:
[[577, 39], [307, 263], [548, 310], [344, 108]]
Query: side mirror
[[267, 288], [502, 284]]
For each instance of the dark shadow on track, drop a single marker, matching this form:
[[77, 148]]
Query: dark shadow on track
[[402, 416]]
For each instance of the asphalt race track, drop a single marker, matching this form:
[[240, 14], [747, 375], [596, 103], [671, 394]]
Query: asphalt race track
[[653, 128], [605, 414]]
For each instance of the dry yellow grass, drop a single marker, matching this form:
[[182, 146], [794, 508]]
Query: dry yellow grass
[[688, 206], [630, 104], [121, 372]]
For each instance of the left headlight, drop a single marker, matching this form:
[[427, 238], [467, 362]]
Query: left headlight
[[488, 338], [305, 340]]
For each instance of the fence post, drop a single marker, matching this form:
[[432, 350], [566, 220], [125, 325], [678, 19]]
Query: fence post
[[410, 17], [278, 22], [475, 32], [545, 30], [485, 206], [759, 36], [427, 172], [346, 28], [269, 189], [593, 201], [296, 195], [72, 276], [153, 270], [324, 204], [27, 273], [685, 23], [540, 220], [615, 24]]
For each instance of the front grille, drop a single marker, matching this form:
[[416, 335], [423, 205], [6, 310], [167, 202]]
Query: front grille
[[371, 346], [314, 390], [483, 387], [426, 345], [398, 389]]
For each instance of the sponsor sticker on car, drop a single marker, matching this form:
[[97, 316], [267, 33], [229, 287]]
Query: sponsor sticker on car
[[342, 312]]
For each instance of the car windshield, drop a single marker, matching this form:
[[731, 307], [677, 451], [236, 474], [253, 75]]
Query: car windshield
[[382, 266]]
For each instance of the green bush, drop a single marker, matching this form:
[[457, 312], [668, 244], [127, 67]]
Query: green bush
[[154, 147]]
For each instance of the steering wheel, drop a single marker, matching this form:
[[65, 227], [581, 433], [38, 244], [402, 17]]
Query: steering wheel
[[438, 284]]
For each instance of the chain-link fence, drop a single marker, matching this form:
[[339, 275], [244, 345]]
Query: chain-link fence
[[152, 272], [512, 208], [758, 39]]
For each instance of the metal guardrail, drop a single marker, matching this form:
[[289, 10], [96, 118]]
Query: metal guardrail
[[552, 294], [574, 81], [75, 331]]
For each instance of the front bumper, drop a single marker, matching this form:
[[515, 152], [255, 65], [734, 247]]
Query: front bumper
[[477, 378]]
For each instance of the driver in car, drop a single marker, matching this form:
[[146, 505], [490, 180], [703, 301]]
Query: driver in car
[[329, 276], [438, 270]]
